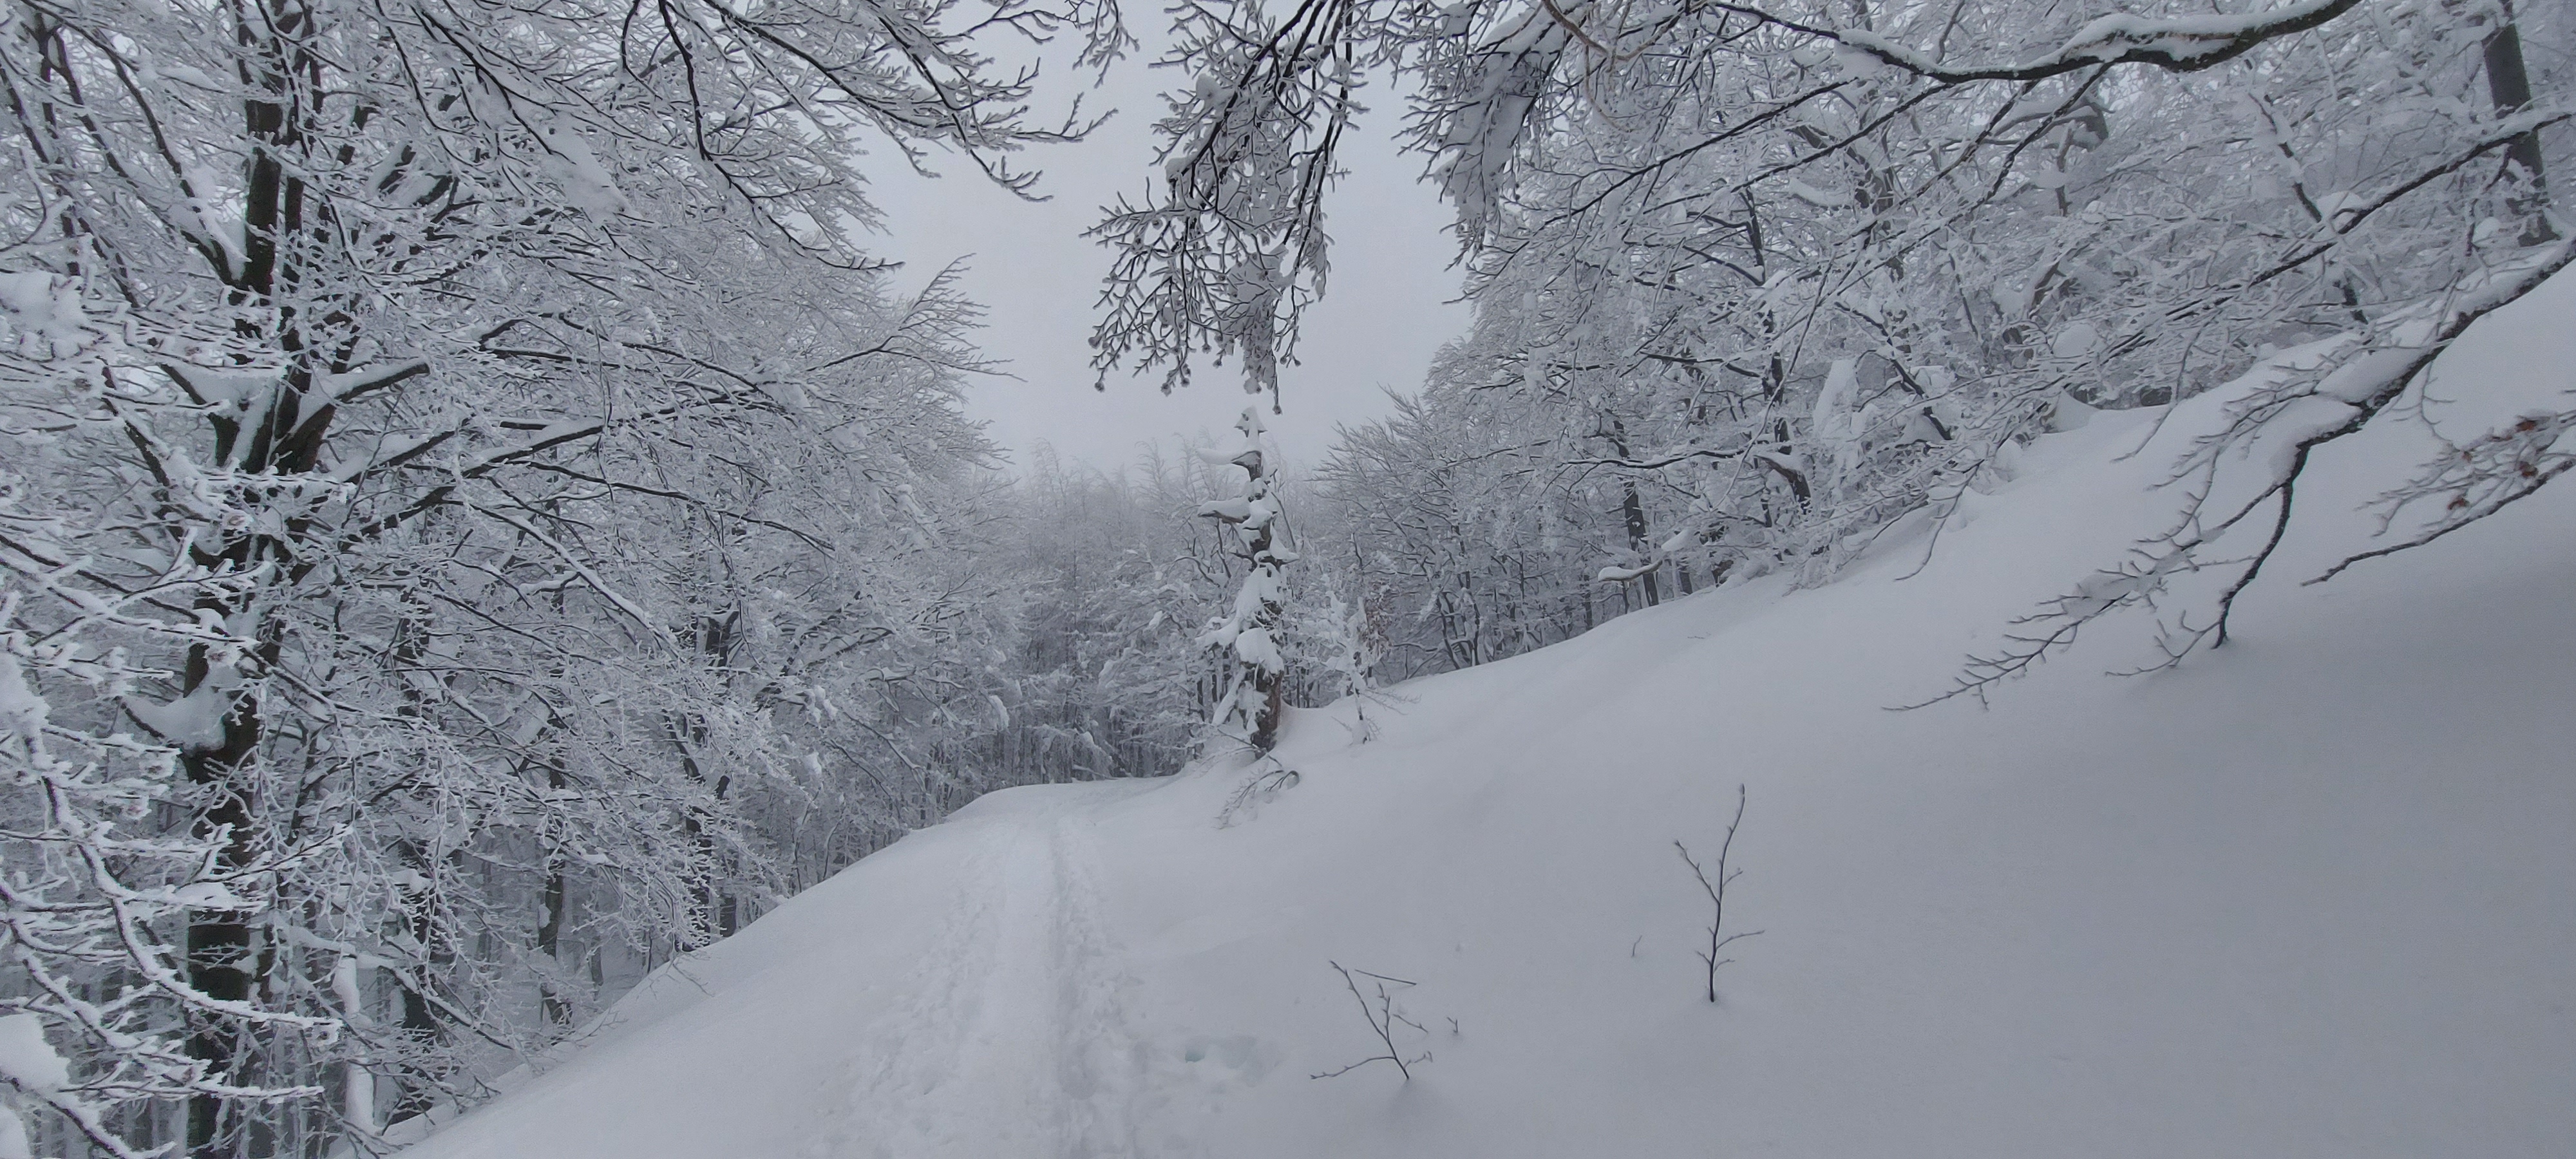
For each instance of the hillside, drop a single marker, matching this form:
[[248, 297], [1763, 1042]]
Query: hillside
[[2308, 895]]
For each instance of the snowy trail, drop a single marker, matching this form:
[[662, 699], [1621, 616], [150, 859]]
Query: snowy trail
[[963, 1001], [1017, 1052]]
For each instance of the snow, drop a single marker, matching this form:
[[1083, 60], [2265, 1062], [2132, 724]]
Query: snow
[[239, 389], [1614, 575], [43, 313], [1820, 198], [568, 161], [26, 1059], [357, 1087], [21, 710], [13, 1136], [208, 895], [2304, 896], [194, 721], [2184, 41]]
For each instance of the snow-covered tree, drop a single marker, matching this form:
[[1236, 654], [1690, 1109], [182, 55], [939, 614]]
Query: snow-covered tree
[[98, 606], [1109, 678], [438, 403], [1475, 543], [1250, 635], [1785, 273]]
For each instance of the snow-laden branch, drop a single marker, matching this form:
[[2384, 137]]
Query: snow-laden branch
[[2271, 423], [2174, 43]]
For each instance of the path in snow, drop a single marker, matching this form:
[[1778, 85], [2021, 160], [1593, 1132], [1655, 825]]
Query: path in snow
[[1014, 1043], [955, 996]]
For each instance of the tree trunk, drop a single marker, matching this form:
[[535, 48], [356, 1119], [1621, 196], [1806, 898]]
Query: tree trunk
[[550, 933], [286, 441], [1633, 509], [2509, 86], [220, 958], [420, 1022]]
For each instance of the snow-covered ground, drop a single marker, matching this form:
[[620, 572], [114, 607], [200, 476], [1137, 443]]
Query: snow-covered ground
[[2310, 895]]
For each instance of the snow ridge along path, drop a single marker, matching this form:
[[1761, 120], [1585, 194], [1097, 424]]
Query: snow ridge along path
[[2307, 897]]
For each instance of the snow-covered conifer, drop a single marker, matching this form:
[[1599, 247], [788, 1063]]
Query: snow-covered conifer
[[1248, 637]]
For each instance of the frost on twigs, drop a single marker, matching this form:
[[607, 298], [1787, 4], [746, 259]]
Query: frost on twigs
[[2180, 44], [2470, 481], [1225, 256], [1384, 1016]]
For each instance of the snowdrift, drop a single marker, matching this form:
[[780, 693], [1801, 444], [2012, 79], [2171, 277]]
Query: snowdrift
[[2313, 894]]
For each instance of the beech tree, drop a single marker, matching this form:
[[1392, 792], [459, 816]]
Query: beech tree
[[423, 418]]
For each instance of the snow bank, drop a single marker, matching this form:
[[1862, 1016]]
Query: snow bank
[[2306, 896]]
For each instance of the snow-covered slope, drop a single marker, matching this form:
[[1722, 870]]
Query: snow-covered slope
[[2310, 895]]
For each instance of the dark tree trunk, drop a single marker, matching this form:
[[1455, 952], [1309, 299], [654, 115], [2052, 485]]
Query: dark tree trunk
[[420, 1021], [550, 932], [2509, 86], [1632, 509], [220, 957]]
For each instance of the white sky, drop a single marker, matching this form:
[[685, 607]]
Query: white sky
[[1384, 315]]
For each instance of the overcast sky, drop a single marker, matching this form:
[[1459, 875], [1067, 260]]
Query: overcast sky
[[1386, 311]]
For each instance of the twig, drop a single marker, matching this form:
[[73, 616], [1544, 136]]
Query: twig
[[1717, 940], [1382, 1019], [1264, 784]]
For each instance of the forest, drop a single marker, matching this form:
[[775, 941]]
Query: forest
[[479, 524]]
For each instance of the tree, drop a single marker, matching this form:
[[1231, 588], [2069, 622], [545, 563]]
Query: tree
[[1787, 273], [96, 897], [1455, 509], [1120, 575], [426, 371], [1250, 636]]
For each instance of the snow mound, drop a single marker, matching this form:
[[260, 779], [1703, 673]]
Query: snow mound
[[2308, 895]]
